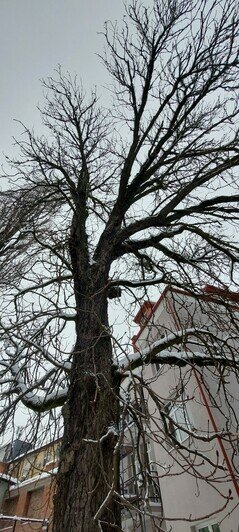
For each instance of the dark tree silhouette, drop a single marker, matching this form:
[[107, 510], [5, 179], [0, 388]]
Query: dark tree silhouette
[[110, 202]]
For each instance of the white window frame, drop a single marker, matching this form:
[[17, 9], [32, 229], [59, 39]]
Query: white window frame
[[173, 407], [26, 468], [48, 456], [208, 525]]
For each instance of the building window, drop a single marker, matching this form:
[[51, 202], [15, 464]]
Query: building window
[[57, 453], [48, 457], [208, 528], [10, 506], [35, 503], [157, 366], [139, 479], [177, 419], [26, 470], [138, 409]]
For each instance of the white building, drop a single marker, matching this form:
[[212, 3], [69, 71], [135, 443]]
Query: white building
[[180, 453]]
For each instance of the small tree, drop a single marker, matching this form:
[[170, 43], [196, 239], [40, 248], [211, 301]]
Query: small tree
[[141, 194]]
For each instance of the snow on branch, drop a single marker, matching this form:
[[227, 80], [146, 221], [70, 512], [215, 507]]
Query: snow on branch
[[137, 283], [111, 431], [29, 394], [161, 351], [45, 402], [35, 401]]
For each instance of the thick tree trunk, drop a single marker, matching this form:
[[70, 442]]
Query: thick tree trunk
[[88, 472]]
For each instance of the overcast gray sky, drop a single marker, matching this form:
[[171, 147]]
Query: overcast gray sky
[[37, 35]]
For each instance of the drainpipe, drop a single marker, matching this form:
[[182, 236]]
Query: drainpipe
[[210, 414]]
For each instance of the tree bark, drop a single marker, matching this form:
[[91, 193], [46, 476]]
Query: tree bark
[[88, 470]]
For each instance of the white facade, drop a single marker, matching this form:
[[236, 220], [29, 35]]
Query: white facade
[[190, 425]]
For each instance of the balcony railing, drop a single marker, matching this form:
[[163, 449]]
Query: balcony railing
[[10, 523], [135, 490]]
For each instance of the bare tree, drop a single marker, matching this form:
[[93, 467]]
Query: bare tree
[[142, 194]]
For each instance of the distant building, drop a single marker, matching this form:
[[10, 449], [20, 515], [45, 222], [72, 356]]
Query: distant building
[[27, 485]]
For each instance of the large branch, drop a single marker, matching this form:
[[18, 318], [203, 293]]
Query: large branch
[[31, 397], [162, 352], [162, 218]]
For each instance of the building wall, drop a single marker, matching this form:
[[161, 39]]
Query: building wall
[[183, 494], [32, 495], [187, 491], [3, 490]]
